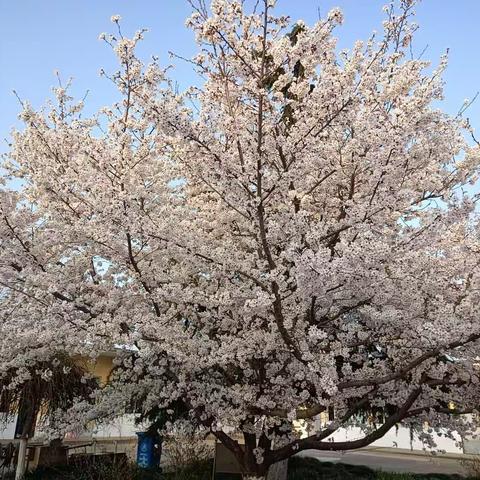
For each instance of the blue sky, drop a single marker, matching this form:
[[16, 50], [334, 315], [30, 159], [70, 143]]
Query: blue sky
[[41, 36]]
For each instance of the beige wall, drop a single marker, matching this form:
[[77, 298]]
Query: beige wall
[[100, 367]]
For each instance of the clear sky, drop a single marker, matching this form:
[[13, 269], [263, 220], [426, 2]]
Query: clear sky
[[41, 36]]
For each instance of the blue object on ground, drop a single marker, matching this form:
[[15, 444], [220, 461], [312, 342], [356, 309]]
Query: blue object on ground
[[147, 450]]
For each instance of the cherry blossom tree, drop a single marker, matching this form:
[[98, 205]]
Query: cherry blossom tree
[[45, 387], [294, 235]]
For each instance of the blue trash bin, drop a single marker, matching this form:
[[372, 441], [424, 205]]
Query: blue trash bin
[[147, 455]]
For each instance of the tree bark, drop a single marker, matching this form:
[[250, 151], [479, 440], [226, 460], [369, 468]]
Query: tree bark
[[278, 471]]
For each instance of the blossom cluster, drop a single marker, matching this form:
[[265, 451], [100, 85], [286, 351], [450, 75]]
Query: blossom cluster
[[295, 241]]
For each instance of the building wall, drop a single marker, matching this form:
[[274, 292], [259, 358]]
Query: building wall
[[101, 368], [7, 427], [124, 426], [396, 437]]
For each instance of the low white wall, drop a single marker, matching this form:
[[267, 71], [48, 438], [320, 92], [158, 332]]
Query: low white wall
[[123, 426], [398, 438], [7, 429]]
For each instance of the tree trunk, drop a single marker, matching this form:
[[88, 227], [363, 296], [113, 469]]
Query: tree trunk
[[278, 471], [22, 459]]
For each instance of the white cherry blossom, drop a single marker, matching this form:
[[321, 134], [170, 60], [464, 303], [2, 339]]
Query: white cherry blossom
[[291, 236]]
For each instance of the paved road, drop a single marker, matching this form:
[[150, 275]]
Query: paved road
[[391, 461]]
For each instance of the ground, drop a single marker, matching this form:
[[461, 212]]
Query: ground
[[360, 465], [388, 460]]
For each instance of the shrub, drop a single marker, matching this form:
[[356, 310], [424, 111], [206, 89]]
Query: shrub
[[95, 468], [305, 468], [411, 476], [395, 476], [187, 452], [200, 470], [472, 466]]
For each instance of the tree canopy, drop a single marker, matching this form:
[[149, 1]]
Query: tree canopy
[[293, 235]]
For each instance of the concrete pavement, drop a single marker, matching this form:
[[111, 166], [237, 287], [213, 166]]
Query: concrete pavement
[[393, 461]]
